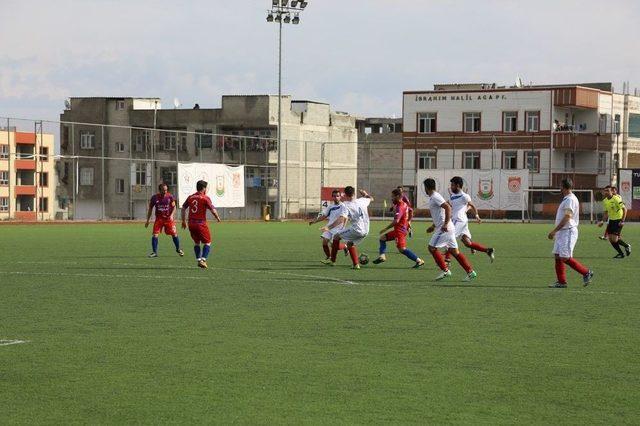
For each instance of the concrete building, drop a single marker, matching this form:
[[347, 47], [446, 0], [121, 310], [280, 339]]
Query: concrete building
[[131, 158], [27, 176], [555, 131]]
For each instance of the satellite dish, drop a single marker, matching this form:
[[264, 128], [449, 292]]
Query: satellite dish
[[519, 82], [67, 103], [176, 103]]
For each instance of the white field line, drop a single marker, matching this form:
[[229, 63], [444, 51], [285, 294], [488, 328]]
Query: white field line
[[12, 342]]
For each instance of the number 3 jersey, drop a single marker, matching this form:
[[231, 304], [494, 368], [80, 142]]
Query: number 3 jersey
[[198, 204]]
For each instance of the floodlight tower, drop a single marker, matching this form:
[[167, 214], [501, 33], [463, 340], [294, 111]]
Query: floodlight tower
[[283, 12]]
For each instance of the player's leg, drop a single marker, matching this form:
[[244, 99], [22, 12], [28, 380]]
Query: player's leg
[[561, 273], [627, 247], [353, 252], [464, 262], [382, 250], [401, 245], [613, 240], [157, 229], [195, 236], [572, 239], [326, 248], [171, 230], [335, 247], [205, 238], [466, 240]]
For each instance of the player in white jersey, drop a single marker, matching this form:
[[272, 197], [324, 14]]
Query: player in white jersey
[[443, 233], [565, 236], [355, 210], [331, 213], [460, 204]]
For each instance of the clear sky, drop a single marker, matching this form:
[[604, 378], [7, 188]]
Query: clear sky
[[358, 55]]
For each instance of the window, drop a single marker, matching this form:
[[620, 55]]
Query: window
[[510, 122], [4, 152], [43, 204], [616, 123], [142, 174], [471, 121], [509, 160], [44, 179], [4, 204], [427, 122], [120, 105], [533, 121], [119, 186], [532, 161], [169, 141], [204, 140], [569, 161], [170, 177], [86, 176], [602, 123], [427, 160], [602, 163], [87, 140], [470, 160], [4, 178], [141, 140], [119, 147]]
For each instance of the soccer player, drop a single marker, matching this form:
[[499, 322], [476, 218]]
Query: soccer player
[[400, 225], [616, 213], [444, 235], [165, 205], [460, 203], [198, 204], [332, 213], [565, 235], [354, 209], [408, 202]]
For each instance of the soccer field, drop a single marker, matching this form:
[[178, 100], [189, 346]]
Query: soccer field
[[270, 335]]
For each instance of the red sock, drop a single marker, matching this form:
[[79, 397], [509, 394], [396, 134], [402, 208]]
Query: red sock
[[447, 256], [353, 252], [334, 250], [342, 246], [437, 256], [577, 266], [561, 272], [478, 247], [462, 260], [327, 251]]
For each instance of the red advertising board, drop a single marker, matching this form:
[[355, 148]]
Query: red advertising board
[[325, 192]]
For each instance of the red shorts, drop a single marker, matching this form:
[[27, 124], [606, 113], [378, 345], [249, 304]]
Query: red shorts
[[400, 237], [168, 225], [200, 233]]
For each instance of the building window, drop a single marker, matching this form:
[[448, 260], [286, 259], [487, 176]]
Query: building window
[[169, 141], [119, 186], [119, 147], [204, 138], [44, 153], [87, 140], [533, 121], [86, 176], [602, 163], [44, 179], [569, 161], [170, 177], [427, 160], [4, 204], [120, 105], [43, 204], [510, 160], [142, 172], [471, 122], [4, 178], [4, 152], [616, 123], [532, 161], [602, 123], [510, 121], [427, 122], [141, 140], [470, 160]]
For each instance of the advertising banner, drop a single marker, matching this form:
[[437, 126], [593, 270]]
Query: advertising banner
[[629, 188], [226, 183]]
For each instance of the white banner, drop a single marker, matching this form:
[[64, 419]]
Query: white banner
[[489, 189], [226, 183], [626, 187]]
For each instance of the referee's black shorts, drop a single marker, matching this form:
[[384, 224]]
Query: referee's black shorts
[[614, 227]]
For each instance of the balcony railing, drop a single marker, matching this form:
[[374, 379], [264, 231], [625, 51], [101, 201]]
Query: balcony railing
[[572, 141]]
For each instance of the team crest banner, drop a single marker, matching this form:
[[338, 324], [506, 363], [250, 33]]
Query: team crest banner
[[489, 189], [226, 183]]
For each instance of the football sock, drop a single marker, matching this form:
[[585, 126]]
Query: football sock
[[617, 248], [478, 247], [154, 244], [447, 257], [411, 255], [577, 266], [327, 250], [176, 241], [334, 249], [196, 250], [462, 260], [383, 247], [623, 244], [354, 254], [205, 251], [561, 272], [437, 256]]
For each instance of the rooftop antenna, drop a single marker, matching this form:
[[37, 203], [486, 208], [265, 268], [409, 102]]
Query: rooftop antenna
[[176, 103], [67, 103], [519, 81]]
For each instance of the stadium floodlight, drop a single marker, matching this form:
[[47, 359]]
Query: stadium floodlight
[[279, 17], [295, 20], [287, 18], [270, 17], [303, 4]]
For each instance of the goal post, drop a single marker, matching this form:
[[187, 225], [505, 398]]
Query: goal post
[[529, 208]]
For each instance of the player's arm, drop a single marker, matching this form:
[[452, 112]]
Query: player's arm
[[173, 210], [474, 211], [568, 214], [624, 212], [318, 219], [605, 217], [365, 194], [396, 219], [183, 213], [338, 222], [149, 211], [215, 214], [447, 215]]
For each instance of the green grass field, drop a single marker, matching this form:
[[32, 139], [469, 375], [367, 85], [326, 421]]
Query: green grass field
[[270, 335]]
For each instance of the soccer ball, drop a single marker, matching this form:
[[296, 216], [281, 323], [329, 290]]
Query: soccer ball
[[363, 259]]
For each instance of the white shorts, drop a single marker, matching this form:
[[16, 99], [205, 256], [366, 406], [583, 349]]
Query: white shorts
[[565, 241], [444, 239], [331, 233], [349, 235], [462, 228]]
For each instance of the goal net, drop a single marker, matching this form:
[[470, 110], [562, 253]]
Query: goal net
[[542, 204]]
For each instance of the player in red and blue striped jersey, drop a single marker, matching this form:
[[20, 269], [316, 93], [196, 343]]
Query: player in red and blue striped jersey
[[164, 204]]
